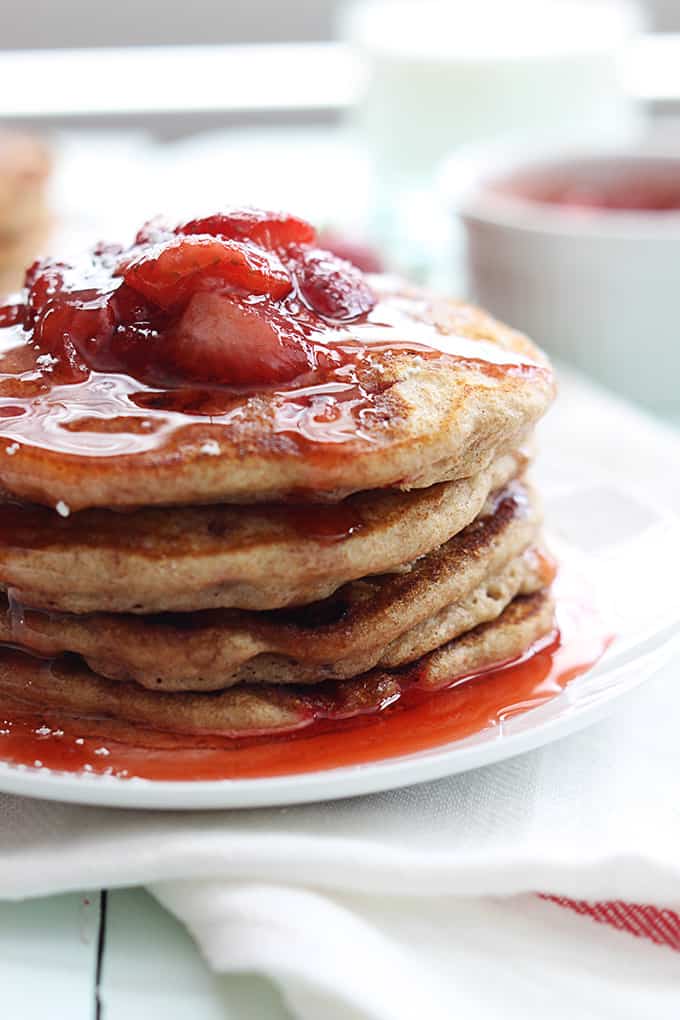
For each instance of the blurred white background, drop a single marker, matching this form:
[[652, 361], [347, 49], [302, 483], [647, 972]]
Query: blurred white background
[[64, 23]]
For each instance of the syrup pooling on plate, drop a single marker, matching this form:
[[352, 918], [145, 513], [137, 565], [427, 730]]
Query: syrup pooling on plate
[[414, 721], [182, 335]]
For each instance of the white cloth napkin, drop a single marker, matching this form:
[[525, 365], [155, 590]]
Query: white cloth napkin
[[422, 902]]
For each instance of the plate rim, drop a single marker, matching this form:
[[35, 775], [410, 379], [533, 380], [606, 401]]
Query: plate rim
[[624, 666], [423, 766]]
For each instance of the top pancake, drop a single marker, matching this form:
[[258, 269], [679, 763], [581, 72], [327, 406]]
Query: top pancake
[[437, 391]]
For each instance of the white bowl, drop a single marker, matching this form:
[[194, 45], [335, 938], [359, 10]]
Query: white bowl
[[598, 287]]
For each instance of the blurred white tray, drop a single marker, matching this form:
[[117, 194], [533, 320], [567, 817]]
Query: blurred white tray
[[235, 78]]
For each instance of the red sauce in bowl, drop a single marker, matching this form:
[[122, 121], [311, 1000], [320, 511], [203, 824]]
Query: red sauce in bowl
[[643, 185]]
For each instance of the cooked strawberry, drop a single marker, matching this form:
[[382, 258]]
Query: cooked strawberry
[[203, 304], [12, 315], [54, 332], [74, 318], [65, 318], [270, 229], [170, 273], [330, 286], [43, 281], [128, 306], [230, 341], [137, 350]]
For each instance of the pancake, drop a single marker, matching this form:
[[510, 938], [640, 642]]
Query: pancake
[[66, 684], [15, 252], [25, 164], [24, 167], [186, 559], [238, 656], [244, 486], [389, 620], [436, 391]]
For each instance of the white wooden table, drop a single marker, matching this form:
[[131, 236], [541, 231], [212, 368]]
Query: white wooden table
[[115, 955]]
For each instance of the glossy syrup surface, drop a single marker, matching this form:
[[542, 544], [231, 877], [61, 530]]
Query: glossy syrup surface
[[251, 329], [417, 721]]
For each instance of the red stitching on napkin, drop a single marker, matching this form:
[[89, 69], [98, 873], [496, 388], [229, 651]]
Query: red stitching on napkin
[[639, 919]]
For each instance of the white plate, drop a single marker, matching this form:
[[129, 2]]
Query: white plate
[[619, 538]]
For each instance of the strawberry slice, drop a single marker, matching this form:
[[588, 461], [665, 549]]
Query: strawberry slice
[[229, 341], [74, 318], [169, 274], [66, 319], [269, 229], [62, 328], [331, 286], [44, 280]]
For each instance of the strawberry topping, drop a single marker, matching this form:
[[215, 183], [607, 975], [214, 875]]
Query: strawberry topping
[[225, 339], [330, 286], [269, 229], [11, 315], [171, 272], [239, 299]]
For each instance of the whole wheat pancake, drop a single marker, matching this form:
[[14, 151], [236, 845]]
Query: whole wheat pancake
[[245, 486], [16, 252], [191, 558], [67, 684], [25, 164], [389, 620], [436, 391], [24, 219]]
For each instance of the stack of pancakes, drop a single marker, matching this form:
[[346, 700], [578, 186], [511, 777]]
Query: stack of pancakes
[[233, 580], [24, 169]]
